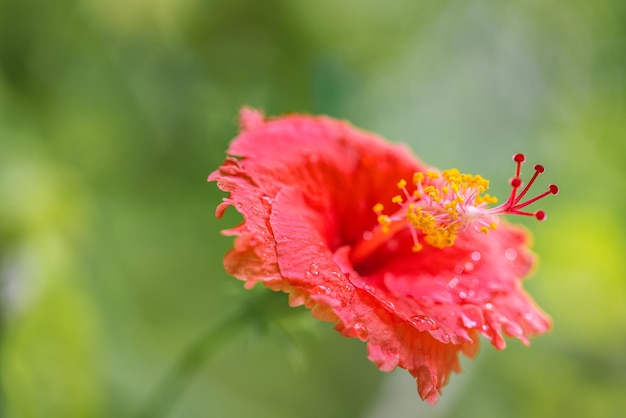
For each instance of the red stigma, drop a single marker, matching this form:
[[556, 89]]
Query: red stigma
[[514, 204]]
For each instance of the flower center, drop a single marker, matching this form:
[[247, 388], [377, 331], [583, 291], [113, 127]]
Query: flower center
[[442, 204]]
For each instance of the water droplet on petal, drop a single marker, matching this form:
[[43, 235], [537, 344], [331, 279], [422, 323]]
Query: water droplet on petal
[[360, 331], [314, 269], [475, 256], [369, 289], [390, 305], [452, 283], [469, 266], [328, 291], [458, 269], [368, 235], [462, 295], [423, 323], [529, 316], [471, 293], [268, 200], [488, 306], [468, 322], [510, 254]]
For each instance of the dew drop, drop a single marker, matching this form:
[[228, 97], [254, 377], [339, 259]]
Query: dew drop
[[468, 322], [423, 323], [360, 331], [462, 295], [453, 283], [268, 200], [529, 316], [475, 256], [458, 269], [485, 327], [368, 235], [510, 254], [314, 269], [390, 305], [469, 266], [471, 293], [488, 306], [369, 289], [324, 290]]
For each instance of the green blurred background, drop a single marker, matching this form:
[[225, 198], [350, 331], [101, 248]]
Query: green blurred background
[[113, 113]]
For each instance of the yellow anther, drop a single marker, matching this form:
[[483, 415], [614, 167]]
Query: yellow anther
[[438, 207], [486, 198], [433, 192], [451, 172], [418, 177], [493, 226], [441, 238]]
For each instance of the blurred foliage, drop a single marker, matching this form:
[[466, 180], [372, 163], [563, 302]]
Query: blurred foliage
[[112, 114]]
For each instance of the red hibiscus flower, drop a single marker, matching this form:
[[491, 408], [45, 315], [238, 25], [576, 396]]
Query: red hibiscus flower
[[418, 283]]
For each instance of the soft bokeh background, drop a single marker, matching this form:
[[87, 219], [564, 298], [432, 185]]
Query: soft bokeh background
[[113, 113]]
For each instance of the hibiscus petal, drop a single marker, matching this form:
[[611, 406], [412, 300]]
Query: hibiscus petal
[[306, 187]]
